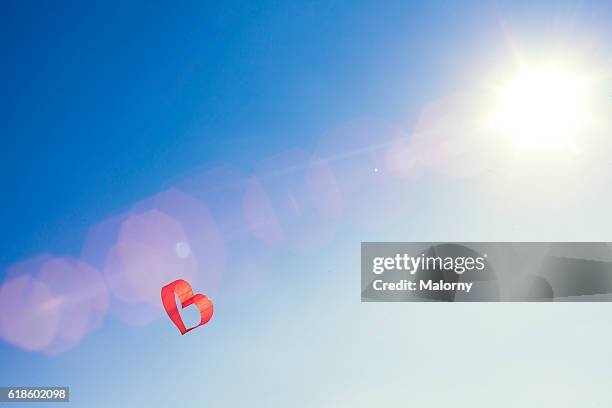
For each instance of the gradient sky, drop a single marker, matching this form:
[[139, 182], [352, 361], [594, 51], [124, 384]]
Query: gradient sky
[[107, 104]]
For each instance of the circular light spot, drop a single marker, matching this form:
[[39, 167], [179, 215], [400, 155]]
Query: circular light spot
[[183, 250]]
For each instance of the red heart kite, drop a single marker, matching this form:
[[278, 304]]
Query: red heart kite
[[185, 293]]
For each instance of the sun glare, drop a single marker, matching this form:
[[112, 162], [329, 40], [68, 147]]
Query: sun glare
[[542, 107]]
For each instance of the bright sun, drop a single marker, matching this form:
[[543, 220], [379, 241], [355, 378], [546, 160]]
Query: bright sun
[[542, 107]]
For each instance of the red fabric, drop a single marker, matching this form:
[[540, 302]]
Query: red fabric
[[185, 293]]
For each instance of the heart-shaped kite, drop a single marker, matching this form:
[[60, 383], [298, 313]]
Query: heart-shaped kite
[[185, 293]]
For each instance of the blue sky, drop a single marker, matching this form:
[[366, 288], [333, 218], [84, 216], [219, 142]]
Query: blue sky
[[106, 104]]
